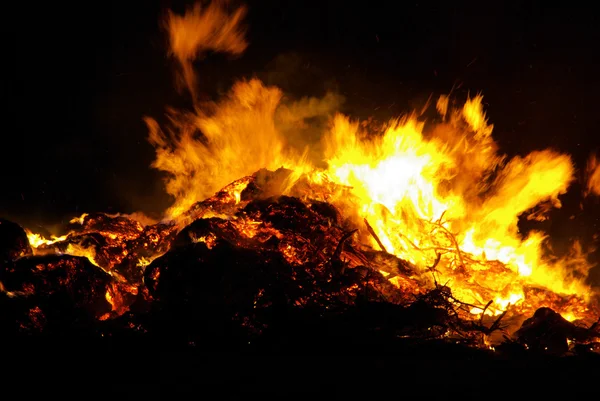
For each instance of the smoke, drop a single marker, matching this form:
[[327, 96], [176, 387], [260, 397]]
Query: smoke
[[302, 118], [303, 123]]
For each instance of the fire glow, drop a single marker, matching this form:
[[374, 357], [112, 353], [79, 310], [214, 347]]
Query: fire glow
[[438, 195]]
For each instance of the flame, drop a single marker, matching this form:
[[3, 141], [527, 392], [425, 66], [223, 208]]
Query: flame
[[85, 252], [240, 139], [425, 189], [186, 160], [424, 196], [201, 30], [593, 176], [37, 240], [78, 220], [115, 297]]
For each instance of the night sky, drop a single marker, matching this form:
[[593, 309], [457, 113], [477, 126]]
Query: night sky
[[77, 80]]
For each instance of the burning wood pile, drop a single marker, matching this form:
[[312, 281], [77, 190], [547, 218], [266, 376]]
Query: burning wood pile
[[384, 236], [276, 272]]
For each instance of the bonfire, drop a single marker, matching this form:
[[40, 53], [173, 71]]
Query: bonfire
[[406, 229]]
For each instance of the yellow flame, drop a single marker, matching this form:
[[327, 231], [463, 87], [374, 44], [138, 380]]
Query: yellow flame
[[417, 194], [78, 250], [78, 220], [37, 240]]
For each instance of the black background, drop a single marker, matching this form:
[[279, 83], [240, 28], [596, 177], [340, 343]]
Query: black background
[[76, 80]]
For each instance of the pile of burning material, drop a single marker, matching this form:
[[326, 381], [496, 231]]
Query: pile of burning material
[[369, 234], [274, 271]]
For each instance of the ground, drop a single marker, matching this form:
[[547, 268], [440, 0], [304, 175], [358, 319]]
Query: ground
[[358, 374]]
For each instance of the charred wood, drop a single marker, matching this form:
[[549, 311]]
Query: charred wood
[[13, 242], [53, 293]]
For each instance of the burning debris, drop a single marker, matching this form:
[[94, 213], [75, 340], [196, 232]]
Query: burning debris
[[254, 268], [54, 293], [400, 233]]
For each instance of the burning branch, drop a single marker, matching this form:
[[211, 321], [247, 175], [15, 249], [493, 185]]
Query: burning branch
[[435, 262], [483, 311], [434, 265], [372, 232], [452, 237], [336, 261], [338, 250], [496, 325]]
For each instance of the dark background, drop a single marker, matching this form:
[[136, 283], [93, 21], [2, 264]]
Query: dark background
[[76, 81]]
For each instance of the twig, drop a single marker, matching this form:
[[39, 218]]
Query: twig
[[433, 266], [372, 232], [439, 221], [409, 241], [435, 263], [483, 311], [455, 243], [458, 301], [497, 322], [338, 249], [337, 264]]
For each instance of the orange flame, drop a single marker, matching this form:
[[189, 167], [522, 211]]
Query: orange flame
[[201, 30], [593, 176]]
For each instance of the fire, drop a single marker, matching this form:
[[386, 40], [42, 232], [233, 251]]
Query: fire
[[437, 194], [201, 30], [425, 189], [425, 196], [36, 240], [593, 176], [241, 138]]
